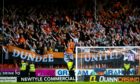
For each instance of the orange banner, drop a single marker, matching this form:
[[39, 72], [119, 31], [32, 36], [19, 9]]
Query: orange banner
[[18, 51]]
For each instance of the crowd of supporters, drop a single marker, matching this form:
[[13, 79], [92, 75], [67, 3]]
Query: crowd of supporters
[[44, 28]]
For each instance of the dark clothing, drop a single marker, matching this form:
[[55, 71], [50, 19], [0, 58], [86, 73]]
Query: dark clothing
[[27, 71], [71, 69], [72, 73], [32, 70], [126, 68], [32, 74], [22, 73], [24, 69], [126, 72]]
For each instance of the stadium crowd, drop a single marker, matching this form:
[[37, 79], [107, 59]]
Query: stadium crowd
[[40, 29], [44, 28]]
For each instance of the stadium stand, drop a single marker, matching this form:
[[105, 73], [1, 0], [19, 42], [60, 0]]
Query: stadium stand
[[43, 28]]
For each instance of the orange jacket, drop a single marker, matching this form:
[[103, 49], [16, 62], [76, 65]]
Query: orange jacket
[[71, 45], [69, 51]]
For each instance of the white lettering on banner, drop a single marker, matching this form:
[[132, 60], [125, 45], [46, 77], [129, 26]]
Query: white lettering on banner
[[94, 58], [8, 73], [24, 55], [65, 72], [17, 73], [108, 79], [117, 72], [45, 59], [105, 57], [8, 79], [83, 72], [89, 57], [16, 53], [30, 57], [50, 57], [41, 79], [100, 57], [46, 78], [32, 79], [38, 58], [62, 72], [58, 78]]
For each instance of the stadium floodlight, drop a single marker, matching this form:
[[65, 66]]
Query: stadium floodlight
[[88, 60]]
